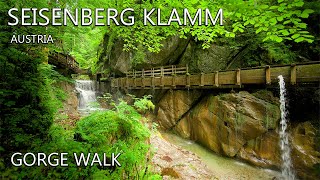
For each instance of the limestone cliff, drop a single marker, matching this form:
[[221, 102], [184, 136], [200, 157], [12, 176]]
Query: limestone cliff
[[240, 125]]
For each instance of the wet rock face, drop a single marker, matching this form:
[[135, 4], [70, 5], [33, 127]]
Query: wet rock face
[[70, 105], [304, 153], [225, 123], [241, 125], [174, 105]]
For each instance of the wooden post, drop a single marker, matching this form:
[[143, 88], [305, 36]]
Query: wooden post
[[161, 77], [187, 77], [216, 79], [127, 80], [172, 71], [134, 79], [201, 79], [142, 79], [117, 83], [268, 75], [152, 80], [293, 72], [188, 80], [238, 77], [112, 83], [174, 76], [187, 69]]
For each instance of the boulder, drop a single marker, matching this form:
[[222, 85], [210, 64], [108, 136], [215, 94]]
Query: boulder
[[121, 61], [245, 126], [173, 105], [206, 60], [225, 123], [304, 154], [263, 151], [70, 104]]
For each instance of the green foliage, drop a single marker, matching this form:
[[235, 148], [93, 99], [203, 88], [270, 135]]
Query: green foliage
[[144, 104], [118, 131], [274, 20], [139, 56]]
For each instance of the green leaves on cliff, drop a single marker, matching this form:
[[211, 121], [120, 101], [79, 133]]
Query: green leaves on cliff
[[273, 20]]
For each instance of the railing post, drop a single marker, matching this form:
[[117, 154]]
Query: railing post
[[238, 78], [172, 71], [134, 79], [216, 79], [187, 69], [112, 83], [161, 77], [293, 73], [173, 77], [152, 80], [117, 83], [268, 75], [142, 79], [202, 79], [188, 80], [127, 80]]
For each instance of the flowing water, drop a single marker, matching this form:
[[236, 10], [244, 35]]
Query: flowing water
[[287, 170], [222, 167], [87, 97]]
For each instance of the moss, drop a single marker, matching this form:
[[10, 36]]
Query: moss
[[272, 115], [266, 96]]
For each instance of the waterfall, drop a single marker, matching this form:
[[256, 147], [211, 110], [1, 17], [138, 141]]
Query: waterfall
[[287, 170], [86, 88]]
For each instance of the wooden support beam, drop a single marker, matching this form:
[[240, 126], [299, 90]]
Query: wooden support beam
[[293, 73], [238, 74], [202, 79], [216, 79], [268, 75]]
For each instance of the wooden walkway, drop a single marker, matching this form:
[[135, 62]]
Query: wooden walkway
[[64, 61], [173, 77]]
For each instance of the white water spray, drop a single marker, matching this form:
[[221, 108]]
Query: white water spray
[[287, 170], [87, 92]]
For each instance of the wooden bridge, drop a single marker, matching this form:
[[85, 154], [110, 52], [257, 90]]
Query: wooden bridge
[[64, 62], [175, 77]]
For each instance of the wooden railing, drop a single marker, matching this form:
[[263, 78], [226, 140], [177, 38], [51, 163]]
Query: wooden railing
[[179, 77], [158, 72], [64, 61]]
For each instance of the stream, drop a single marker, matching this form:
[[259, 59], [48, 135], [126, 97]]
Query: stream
[[222, 167], [87, 97]]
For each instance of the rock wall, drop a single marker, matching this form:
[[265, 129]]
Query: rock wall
[[240, 125], [70, 105], [174, 51]]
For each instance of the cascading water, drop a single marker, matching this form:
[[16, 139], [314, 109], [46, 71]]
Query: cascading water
[[287, 171], [86, 88]]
